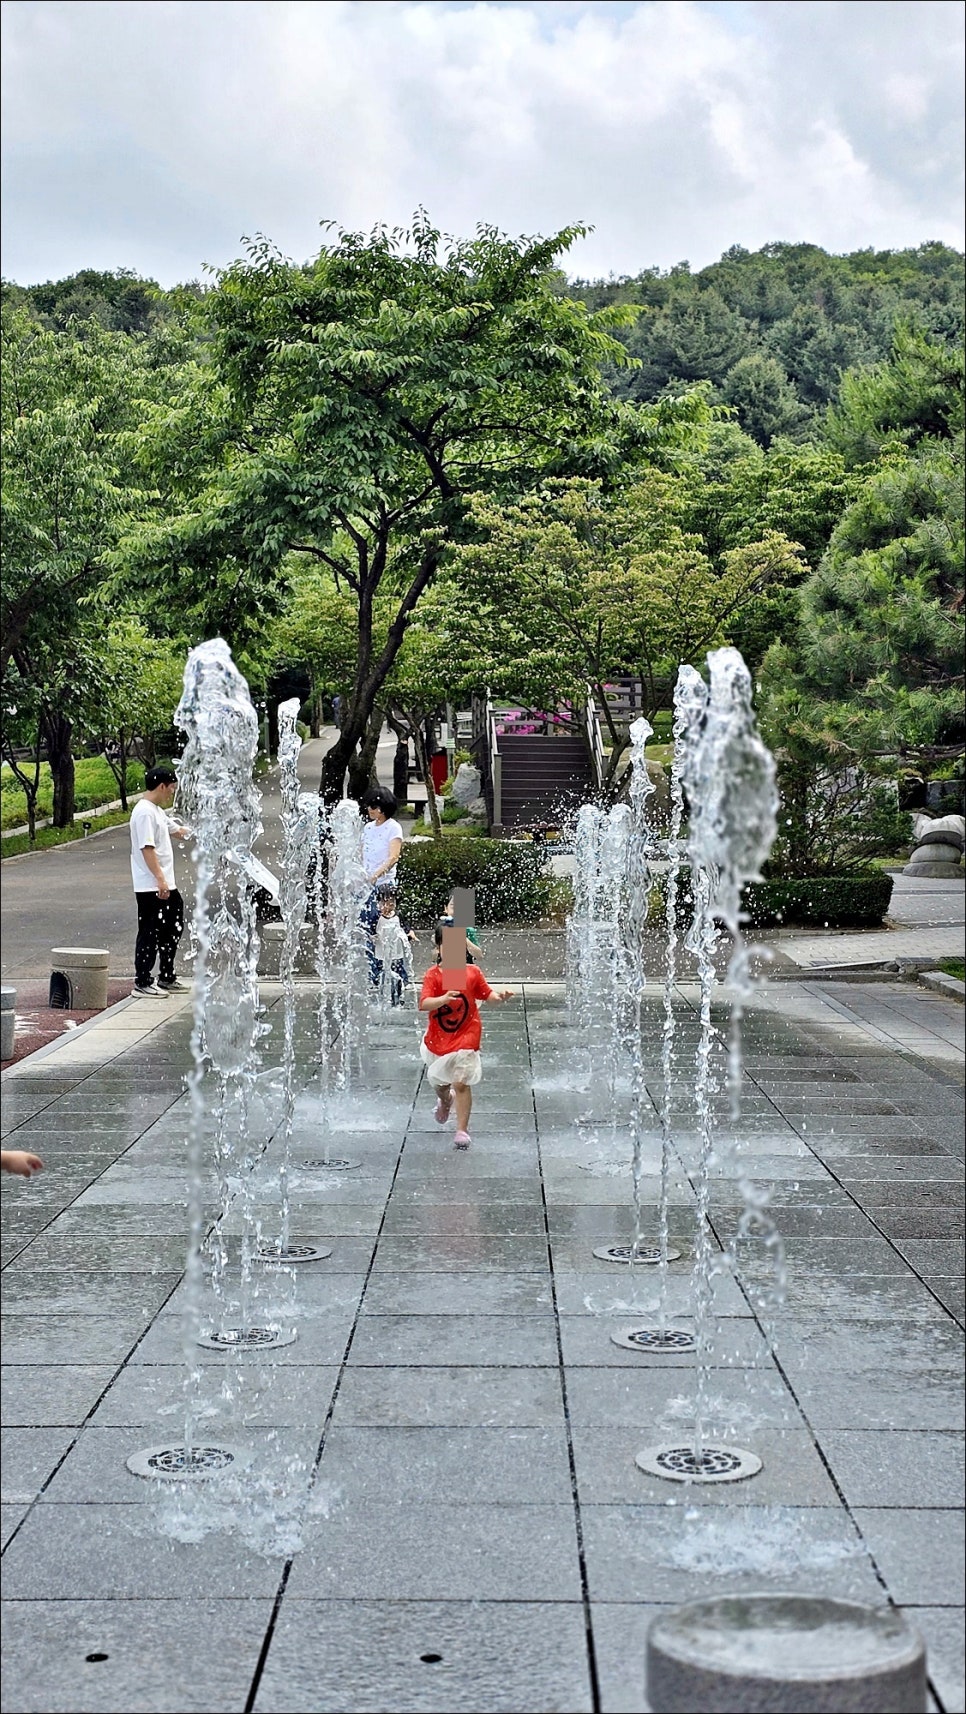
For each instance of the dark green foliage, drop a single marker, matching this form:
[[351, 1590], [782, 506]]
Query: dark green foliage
[[798, 316], [121, 302], [509, 880], [827, 901], [821, 901]]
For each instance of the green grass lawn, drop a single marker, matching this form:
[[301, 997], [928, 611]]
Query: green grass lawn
[[94, 785], [16, 844], [953, 967]]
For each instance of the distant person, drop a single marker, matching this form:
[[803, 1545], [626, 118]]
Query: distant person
[[21, 1162], [390, 957], [160, 905], [450, 1049]]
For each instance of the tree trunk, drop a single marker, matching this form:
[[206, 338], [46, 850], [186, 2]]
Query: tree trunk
[[362, 766], [334, 764], [57, 733], [422, 763], [400, 761], [122, 759], [29, 786]]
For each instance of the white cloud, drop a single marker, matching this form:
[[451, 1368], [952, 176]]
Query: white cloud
[[155, 134]]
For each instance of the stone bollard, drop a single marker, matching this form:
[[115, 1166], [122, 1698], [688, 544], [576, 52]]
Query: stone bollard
[[78, 978], [784, 1654], [8, 1021]]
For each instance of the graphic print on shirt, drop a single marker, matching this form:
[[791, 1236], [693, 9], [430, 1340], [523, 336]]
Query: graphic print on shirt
[[453, 1015]]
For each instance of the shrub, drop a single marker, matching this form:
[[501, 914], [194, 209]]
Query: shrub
[[509, 880], [825, 901], [821, 901]]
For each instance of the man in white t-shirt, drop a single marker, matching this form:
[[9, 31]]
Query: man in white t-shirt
[[160, 905]]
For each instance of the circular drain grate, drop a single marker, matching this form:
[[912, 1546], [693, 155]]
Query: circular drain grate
[[280, 1254], [247, 1339], [626, 1253], [654, 1339], [335, 1164], [683, 1464], [184, 1464]]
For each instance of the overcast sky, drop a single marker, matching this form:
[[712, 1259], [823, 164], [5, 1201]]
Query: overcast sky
[[153, 134]]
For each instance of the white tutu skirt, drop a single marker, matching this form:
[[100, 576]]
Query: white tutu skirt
[[463, 1066]]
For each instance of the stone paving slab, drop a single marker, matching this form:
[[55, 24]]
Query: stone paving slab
[[478, 1535], [109, 1656], [512, 1657]]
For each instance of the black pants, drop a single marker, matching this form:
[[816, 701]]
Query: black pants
[[160, 927]]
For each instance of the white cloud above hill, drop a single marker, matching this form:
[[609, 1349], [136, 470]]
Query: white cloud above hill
[[153, 135]]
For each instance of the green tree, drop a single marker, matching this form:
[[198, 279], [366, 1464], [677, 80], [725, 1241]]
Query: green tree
[[571, 587], [878, 658], [351, 408], [763, 399], [916, 396], [69, 404], [136, 688]]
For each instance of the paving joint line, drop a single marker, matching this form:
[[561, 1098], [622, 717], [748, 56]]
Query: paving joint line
[[592, 1667]]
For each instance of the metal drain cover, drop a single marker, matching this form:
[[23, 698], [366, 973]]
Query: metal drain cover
[[184, 1464], [282, 1254], [335, 1164], [714, 1464], [247, 1339], [625, 1253], [654, 1338]]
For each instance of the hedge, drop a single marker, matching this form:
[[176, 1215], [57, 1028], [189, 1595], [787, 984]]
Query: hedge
[[822, 901], [508, 878]]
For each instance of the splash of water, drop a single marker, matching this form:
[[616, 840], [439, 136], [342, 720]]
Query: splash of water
[[584, 930], [220, 803], [688, 700], [729, 778], [300, 826], [640, 879], [348, 890]]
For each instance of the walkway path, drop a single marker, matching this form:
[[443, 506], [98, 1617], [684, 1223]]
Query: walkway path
[[480, 1537]]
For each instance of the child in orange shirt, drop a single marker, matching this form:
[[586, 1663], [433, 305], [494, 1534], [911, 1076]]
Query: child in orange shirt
[[450, 1048]]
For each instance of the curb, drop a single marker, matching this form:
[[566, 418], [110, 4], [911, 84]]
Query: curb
[[939, 983], [67, 1036]]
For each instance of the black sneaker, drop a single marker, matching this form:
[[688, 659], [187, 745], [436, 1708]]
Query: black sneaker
[[173, 987], [145, 990]]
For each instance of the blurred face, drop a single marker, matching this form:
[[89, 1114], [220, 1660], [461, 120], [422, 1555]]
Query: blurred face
[[167, 793], [387, 907], [375, 812]]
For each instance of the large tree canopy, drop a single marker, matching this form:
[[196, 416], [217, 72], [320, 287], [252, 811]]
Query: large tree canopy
[[352, 407]]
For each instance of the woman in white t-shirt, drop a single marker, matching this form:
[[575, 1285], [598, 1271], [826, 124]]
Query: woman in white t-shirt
[[382, 837]]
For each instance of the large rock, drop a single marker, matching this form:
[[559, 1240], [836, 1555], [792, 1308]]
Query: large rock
[[467, 785]]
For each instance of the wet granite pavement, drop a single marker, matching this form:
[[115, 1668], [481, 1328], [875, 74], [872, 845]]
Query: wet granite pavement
[[479, 1536]]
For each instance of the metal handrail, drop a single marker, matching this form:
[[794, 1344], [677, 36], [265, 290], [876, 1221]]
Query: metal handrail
[[495, 763], [595, 742]]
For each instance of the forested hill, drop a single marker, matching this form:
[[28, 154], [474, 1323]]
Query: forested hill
[[773, 330]]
